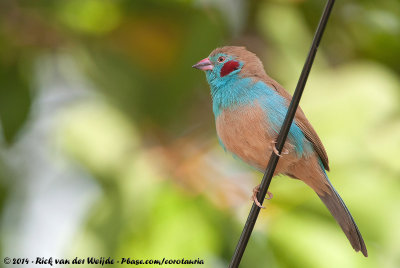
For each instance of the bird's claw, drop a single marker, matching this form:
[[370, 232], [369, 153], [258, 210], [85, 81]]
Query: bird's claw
[[285, 151], [254, 196]]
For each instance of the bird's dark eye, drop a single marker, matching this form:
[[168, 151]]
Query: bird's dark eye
[[221, 59]]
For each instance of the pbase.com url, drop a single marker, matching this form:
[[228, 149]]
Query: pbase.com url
[[161, 262]]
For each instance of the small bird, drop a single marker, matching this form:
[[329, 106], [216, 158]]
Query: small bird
[[249, 109]]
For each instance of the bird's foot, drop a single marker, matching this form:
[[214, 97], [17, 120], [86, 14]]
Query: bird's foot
[[254, 196], [284, 151]]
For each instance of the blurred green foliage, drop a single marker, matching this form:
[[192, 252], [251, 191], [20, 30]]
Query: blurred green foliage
[[108, 147]]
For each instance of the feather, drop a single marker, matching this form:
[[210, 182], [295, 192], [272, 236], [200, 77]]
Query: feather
[[303, 123]]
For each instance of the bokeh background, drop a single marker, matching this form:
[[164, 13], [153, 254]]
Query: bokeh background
[[108, 144]]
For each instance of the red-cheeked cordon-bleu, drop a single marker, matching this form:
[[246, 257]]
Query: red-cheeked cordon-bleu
[[249, 108]]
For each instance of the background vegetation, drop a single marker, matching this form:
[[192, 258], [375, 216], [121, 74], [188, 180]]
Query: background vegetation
[[107, 139]]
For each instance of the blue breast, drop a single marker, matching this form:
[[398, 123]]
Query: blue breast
[[233, 92]]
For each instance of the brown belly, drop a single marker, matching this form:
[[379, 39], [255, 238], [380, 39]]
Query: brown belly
[[245, 133]]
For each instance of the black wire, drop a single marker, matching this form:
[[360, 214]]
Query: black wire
[[255, 210]]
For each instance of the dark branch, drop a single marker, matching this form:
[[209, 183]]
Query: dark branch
[[255, 210]]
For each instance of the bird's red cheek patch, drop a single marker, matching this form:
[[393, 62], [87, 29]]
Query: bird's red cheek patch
[[229, 67]]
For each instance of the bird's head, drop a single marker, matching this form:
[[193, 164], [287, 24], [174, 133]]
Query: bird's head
[[230, 62]]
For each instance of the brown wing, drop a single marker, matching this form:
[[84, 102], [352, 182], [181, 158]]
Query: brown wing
[[302, 123]]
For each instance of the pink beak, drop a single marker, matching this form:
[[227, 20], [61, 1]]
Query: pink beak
[[204, 65]]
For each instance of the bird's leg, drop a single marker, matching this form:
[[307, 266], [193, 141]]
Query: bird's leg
[[284, 151], [254, 196]]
